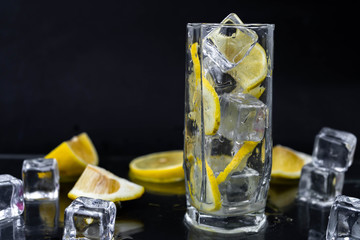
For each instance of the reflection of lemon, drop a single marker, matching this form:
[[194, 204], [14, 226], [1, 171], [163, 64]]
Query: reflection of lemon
[[211, 103], [287, 163], [159, 167], [73, 156], [212, 199], [252, 70], [282, 195], [238, 161], [172, 188], [96, 182]]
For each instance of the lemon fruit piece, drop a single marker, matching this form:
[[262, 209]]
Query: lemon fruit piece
[[211, 105], [238, 162], [73, 156], [252, 70], [212, 201], [96, 182], [287, 163], [161, 167]]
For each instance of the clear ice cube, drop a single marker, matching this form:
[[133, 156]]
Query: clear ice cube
[[11, 197], [243, 117], [12, 229], [319, 186], [41, 179], [229, 44], [241, 186], [89, 218], [334, 149], [344, 219]]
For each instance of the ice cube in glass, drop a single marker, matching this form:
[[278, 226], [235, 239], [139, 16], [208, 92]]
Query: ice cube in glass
[[344, 219], [41, 179], [12, 229], [229, 44], [319, 185], [334, 149], [243, 117], [89, 218], [11, 197]]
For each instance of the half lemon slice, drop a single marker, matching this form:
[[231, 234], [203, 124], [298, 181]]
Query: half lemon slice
[[238, 162], [287, 163], [252, 70], [211, 201], [96, 182], [162, 167], [73, 156]]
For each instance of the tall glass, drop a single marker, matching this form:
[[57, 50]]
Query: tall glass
[[228, 145]]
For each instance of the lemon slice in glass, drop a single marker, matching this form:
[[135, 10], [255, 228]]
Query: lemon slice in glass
[[212, 199], [73, 156], [96, 182], [161, 167], [252, 70], [287, 163], [238, 162]]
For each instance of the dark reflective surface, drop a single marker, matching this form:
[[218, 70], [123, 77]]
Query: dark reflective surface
[[159, 213]]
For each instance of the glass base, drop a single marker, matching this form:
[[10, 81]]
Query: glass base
[[245, 223]]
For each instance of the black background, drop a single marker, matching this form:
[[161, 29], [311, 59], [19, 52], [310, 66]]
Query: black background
[[115, 69]]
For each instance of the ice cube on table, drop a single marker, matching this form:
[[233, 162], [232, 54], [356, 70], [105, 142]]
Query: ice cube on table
[[11, 197], [12, 229], [334, 149], [344, 219], [41, 179], [228, 44], [319, 186], [243, 117], [89, 218]]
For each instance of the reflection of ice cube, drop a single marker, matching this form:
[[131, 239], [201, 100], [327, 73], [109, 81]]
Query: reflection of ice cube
[[334, 149], [89, 218], [242, 186], [229, 44], [41, 178], [243, 117], [344, 219], [11, 197], [319, 186], [12, 229]]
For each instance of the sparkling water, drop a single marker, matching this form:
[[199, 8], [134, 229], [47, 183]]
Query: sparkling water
[[319, 186], [344, 219], [89, 218], [11, 197], [41, 179], [334, 149]]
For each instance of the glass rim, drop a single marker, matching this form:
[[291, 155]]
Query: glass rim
[[246, 25]]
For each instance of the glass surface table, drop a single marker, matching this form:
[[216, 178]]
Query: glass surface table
[[159, 213]]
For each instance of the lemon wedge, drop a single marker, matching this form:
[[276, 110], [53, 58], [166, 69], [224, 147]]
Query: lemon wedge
[[161, 167], [238, 162], [252, 70], [96, 182], [287, 163], [212, 200], [73, 156]]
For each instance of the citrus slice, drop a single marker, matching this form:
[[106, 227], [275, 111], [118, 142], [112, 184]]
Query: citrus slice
[[252, 70], [96, 182], [287, 163], [159, 167], [211, 103], [73, 156], [212, 199], [238, 162]]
